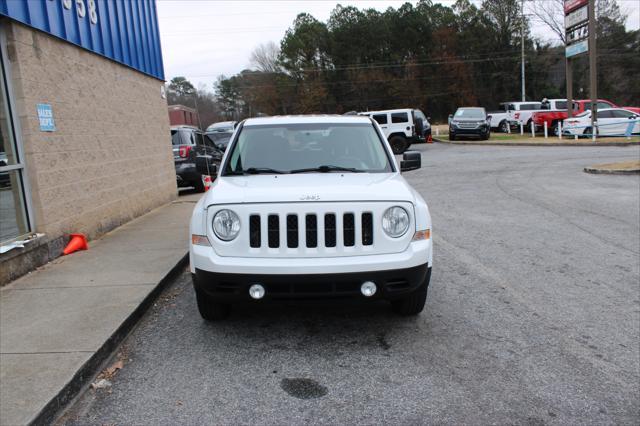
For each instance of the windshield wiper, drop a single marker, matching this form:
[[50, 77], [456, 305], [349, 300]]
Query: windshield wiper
[[327, 169], [262, 170]]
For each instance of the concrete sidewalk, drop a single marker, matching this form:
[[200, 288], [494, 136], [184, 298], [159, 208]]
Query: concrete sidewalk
[[59, 323]]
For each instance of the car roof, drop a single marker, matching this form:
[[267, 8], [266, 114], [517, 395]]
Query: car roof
[[470, 107], [222, 124], [306, 119], [184, 127], [384, 111]]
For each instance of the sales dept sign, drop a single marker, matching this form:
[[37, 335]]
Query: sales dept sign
[[45, 116]]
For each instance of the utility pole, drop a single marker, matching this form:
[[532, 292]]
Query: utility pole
[[522, 49], [593, 75]]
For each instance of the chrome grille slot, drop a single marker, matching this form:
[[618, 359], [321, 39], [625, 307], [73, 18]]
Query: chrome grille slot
[[349, 230], [273, 231], [367, 229], [255, 236], [311, 225], [330, 230], [292, 231]]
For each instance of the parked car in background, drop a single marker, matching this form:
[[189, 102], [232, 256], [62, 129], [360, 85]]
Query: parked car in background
[[512, 114], [219, 138], [553, 117], [222, 126], [311, 208], [402, 127], [188, 144], [611, 122], [470, 121]]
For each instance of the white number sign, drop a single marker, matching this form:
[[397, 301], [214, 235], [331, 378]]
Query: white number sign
[[81, 7]]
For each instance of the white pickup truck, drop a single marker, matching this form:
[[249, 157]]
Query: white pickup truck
[[512, 114]]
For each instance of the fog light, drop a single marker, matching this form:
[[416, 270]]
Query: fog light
[[368, 288], [256, 291]]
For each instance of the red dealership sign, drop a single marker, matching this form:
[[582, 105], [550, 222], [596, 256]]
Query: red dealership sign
[[570, 5]]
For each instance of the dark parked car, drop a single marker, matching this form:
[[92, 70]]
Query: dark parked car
[[188, 143], [470, 121], [219, 138]]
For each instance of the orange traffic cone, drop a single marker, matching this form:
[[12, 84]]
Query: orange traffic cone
[[430, 139], [77, 242], [207, 182]]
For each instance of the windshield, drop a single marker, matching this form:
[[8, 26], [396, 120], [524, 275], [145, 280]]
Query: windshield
[[472, 113], [220, 138], [182, 137], [326, 147]]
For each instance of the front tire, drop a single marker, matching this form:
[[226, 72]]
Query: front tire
[[209, 309], [452, 136], [413, 304], [198, 185], [504, 126], [398, 144]]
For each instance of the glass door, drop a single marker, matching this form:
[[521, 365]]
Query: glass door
[[14, 219]]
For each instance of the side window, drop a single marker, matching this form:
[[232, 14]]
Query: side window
[[208, 141], [621, 114], [199, 139], [511, 107], [380, 118], [603, 105], [562, 105], [604, 114], [399, 117]]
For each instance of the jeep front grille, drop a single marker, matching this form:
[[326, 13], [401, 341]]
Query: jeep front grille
[[311, 230]]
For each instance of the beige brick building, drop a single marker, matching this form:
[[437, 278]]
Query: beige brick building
[[108, 160]]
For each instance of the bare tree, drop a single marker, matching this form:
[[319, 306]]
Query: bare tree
[[551, 14], [265, 58]]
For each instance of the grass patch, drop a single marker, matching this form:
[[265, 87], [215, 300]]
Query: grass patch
[[623, 165], [516, 137]]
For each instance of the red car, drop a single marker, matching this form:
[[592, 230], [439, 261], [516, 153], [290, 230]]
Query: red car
[[552, 118]]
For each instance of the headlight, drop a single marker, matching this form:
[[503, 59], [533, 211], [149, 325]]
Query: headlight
[[395, 221], [226, 225]]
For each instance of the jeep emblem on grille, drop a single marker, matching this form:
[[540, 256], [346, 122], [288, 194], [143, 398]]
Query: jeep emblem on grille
[[309, 198]]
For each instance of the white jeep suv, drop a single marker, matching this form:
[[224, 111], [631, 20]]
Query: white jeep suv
[[310, 208]]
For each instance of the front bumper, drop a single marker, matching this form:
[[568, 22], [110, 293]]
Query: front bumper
[[186, 172], [234, 288], [205, 258], [478, 131]]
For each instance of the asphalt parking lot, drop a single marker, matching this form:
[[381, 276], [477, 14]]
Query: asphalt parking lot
[[533, 317]]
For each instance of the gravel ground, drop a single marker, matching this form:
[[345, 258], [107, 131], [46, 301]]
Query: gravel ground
[[532, 317]]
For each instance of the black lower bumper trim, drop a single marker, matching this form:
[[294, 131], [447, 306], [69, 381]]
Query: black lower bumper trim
[[234, 288]]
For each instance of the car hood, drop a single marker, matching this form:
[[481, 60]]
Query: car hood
[[309, 187]]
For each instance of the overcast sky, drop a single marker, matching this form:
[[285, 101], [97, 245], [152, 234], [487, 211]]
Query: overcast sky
[[202, 39]]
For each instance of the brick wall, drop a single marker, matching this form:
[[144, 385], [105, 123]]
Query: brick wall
[[110, 158]]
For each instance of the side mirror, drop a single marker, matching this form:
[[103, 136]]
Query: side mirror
[[429, 119], [411, 160], [450, 118], [206, 166]]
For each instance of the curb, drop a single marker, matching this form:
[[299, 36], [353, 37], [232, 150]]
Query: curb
[[50, 413], [596, 171], [536, 144]]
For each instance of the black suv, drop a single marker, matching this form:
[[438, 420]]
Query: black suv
[[470, 121], [188, 143]]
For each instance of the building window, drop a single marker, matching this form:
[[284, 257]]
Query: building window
[[14, 218]]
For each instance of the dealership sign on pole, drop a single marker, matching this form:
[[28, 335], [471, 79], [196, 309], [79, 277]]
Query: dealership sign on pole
[[571, 5], [577, 49], [576, 17]]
